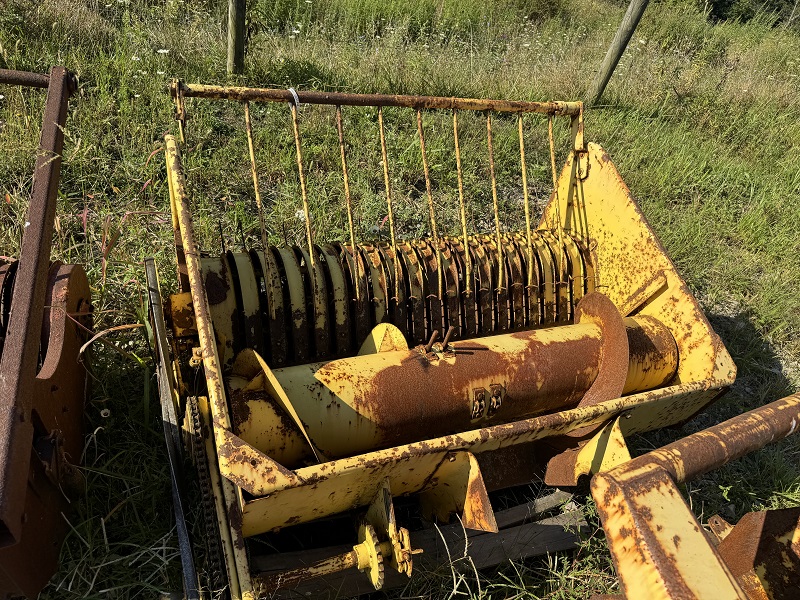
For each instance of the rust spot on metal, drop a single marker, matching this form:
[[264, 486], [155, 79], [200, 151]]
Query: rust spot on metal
[[217, 288]]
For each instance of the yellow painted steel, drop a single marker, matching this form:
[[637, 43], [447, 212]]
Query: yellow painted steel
[[604, 451], [350, 482], [658, 508], [594, 216], [628, 260], [238, 572], [627, 264]]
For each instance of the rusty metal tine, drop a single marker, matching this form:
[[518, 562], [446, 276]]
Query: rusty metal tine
[[467, 258], [434, 233], [432, 341], [347, 199], [260, 206], [526, 198], [21, 351], [559, 225], [301, 173], [387, 185], [490, 145], [448, 336]]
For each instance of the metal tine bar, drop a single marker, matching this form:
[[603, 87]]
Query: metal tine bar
[[434, 233], [385, 159], [559, 225], [301, 172], [262, 222], [348, 201], [526, 198], [241, 94], [490, 145], [467, 258]]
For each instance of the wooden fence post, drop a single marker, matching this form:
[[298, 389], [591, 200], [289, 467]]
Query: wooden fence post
[[618, 45], [236, 14]]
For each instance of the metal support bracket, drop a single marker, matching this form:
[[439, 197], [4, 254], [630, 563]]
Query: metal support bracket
[[457, 486]]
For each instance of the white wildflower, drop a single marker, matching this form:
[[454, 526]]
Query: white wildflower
[[162, 51]]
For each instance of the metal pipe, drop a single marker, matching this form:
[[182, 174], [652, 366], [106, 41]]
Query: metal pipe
[[462, 206], [501, 267], [179, 199], [37, 80], [254, 172], [704, 451], [242, 94]]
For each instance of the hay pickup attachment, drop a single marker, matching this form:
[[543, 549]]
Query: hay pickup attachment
[[352, 387], [45, 312]]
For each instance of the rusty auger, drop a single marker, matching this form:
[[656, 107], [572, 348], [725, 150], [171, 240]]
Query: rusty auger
[[45, 312], [344, 377]]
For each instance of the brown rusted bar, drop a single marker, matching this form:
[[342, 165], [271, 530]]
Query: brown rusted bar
[[559, 224], [19, 362], [659, 548], [557, 108], [526, 199], [326, 566], [24, 78], [389, 207], [432, 212], [706, 450], [301, 173]]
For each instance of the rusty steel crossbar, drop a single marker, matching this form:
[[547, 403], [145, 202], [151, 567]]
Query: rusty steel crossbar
[[24, 78], [244, 94]]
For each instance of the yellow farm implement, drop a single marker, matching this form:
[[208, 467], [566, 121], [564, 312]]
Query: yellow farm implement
[[355, 392]]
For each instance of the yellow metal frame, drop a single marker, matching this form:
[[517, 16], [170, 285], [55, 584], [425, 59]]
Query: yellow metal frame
[[590, 202]]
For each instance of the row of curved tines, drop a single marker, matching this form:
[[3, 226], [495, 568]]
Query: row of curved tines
[[293, 314]]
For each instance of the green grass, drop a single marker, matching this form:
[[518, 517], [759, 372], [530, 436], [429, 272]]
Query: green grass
[[701, 119]]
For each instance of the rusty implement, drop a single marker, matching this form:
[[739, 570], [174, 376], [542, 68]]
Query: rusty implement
[[45, 313], [662, 551], [355, 390]]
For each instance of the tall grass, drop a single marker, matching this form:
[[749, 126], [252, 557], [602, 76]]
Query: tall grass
[[702, 120]]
